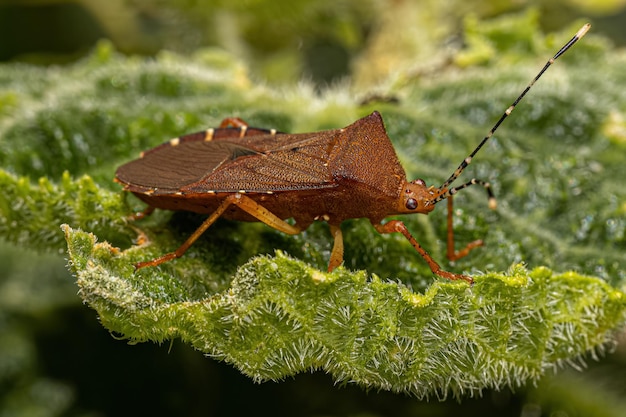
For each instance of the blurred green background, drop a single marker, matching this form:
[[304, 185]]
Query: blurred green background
[[63, 362], [285, 41]]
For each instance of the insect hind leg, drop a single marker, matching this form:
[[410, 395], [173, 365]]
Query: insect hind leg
[[246, 204]]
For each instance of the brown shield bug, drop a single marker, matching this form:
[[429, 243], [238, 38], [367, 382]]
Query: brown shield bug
[[249, 174]]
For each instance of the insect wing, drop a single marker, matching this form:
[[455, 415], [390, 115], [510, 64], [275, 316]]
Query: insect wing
[[282, 163], [261, 163], [169, 168]]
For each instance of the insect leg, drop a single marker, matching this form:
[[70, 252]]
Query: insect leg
[[142, 214], [336, 256], [241, 128], [453, 254], [246, 204], [233, 122], [396, 226], [262, 214], [190, 240]]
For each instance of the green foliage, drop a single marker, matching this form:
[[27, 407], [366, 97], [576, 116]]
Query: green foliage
[[281, 317], [556, 169], [30, 212]]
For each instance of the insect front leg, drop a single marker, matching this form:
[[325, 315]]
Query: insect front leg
[[396, 226], [453, 254], [246, 204]]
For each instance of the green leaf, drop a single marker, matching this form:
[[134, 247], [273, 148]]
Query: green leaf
[[29, 214], [281, 317], [556, 166]]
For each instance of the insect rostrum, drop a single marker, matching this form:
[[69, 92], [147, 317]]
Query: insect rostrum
[[249, 174]]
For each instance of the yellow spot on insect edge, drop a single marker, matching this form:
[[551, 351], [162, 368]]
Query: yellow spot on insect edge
[[242, 131], [208, 135], [142, 154], [175, 142], [273, 132]]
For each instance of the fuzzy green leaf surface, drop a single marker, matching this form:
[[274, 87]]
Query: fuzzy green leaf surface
[[29, 212], [556, 166], [281, 317]]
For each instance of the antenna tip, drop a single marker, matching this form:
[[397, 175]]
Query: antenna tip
[[493, 204], [583, 30]]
